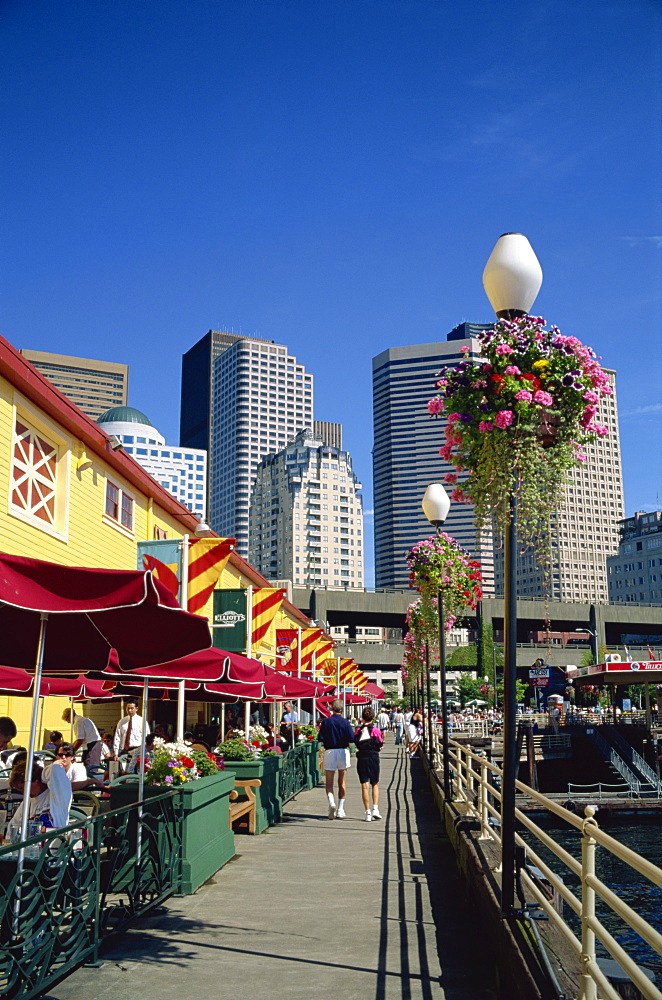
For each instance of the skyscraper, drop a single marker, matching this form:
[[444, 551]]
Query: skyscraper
[[94, 386], [586, 529], [406, 454], [635, 571], [242, 398], [306, 515], [181, 471]]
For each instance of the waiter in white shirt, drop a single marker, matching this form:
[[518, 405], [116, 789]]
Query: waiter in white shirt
[[129, 730], [85, 735]]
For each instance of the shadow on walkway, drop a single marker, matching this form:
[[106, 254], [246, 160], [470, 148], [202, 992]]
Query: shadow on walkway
[[313, 908]]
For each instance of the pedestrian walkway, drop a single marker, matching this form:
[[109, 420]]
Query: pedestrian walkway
[[313, 908]]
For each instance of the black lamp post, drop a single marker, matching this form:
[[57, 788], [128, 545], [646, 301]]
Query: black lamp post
[[512, 280], [436, 505]]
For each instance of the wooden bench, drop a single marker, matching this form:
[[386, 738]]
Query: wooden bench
[[244, 809]]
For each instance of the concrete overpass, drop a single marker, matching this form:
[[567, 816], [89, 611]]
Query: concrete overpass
[[386, 609]]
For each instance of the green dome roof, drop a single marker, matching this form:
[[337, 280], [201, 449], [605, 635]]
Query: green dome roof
[[124, 414]]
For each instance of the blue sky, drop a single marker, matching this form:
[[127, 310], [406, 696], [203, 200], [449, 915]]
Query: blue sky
[[332, 176]]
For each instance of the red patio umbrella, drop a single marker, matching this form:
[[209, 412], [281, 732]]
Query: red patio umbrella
[[90, 612], [283, 687], [217, 665], [20, 682], [67, 619]]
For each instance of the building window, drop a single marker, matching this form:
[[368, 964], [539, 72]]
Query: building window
[[119, 506], [38, 482]]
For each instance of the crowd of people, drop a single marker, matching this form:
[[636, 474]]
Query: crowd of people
[[54, 776]]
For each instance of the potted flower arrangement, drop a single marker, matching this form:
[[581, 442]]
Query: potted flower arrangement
[[252, 758], [518, 419], [203, 787], [307, 733], [238, 747], [174, 764]]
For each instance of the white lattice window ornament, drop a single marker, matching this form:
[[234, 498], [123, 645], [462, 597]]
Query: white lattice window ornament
[[34, 475]]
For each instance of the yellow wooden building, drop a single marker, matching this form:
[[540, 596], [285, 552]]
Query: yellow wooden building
[[69, 495]]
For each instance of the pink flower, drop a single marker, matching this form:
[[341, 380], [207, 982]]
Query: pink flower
[[512, 370], [523, 396], [590, 397], [450, 478], [601, 430], [542, 397], [465, 350], [446, 452], [485, 425], [581, 457], [504, 349], [503, 419], [453, 417], [435, 406]]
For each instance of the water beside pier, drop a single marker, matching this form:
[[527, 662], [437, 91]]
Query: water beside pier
[[645, 838]]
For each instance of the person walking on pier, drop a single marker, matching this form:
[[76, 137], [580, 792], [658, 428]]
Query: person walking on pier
[[398, 726], [336, 734], [369, 741]]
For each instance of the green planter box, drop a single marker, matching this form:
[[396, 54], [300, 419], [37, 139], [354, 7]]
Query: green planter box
[[207, 840], [316, 768], [269, 807]]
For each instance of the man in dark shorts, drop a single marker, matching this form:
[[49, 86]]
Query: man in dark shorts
[[369, 742]]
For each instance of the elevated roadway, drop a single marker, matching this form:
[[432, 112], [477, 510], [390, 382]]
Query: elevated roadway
[[386, 609]]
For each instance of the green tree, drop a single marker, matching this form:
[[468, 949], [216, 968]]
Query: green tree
[[492, 659], [468, 688]]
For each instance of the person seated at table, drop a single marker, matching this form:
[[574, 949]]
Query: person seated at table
[[7, 734], [50, 792], [55, 740], [76, 773], [106, 748], [275, 742], [134, 759]]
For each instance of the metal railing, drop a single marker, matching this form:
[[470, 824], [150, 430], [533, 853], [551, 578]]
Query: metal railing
[[293, 776], [476, 780], [79, 884], [599, 790], [628, 752], [617, 762]]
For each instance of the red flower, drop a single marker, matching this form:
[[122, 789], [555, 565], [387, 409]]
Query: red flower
[[187, 762]]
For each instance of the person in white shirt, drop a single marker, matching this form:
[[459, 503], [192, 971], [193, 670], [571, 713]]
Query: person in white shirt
[[129, 730], [383, 721], [50, 793], [86, 735], [398, 726], [76, 773]]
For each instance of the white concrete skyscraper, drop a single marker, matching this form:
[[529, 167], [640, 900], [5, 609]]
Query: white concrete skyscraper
[[306, 520], [246, 397]]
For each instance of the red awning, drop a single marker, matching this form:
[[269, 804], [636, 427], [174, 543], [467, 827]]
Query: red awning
[[283, 687], [213, 665], [89, 612], [18, 682], [373, 691]]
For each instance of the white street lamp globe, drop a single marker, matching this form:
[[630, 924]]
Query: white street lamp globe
[[436, 504], [512, 276]]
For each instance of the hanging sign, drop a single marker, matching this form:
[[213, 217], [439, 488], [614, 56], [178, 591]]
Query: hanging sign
[[229, 620]]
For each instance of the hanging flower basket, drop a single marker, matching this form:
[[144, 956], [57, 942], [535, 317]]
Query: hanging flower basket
[[518, 419], [436, 564], [441, 563]]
